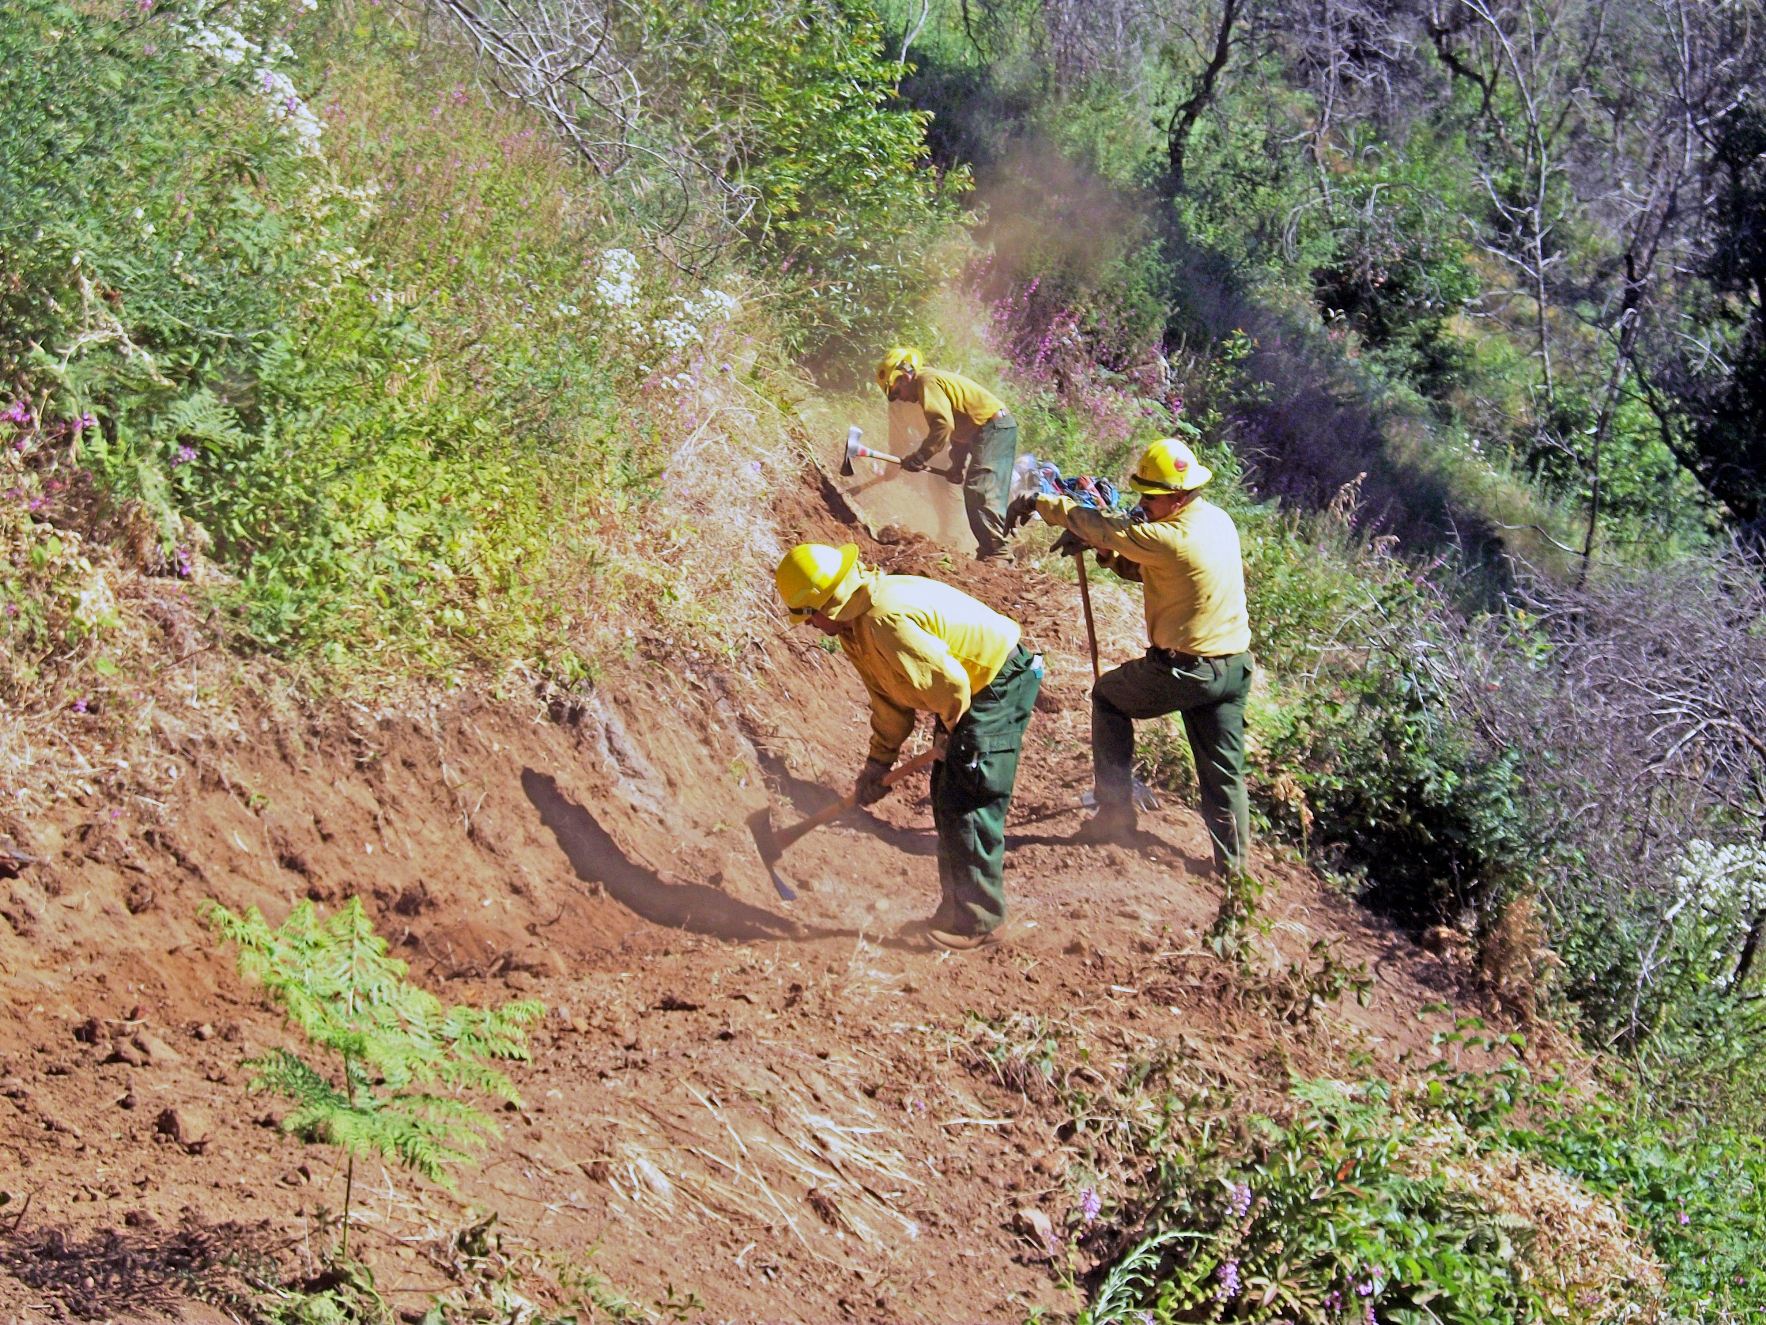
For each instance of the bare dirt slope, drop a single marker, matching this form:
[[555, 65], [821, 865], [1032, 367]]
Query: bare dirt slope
[[796, 1112]]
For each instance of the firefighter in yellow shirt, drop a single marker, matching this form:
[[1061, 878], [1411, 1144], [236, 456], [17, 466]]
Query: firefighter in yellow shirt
[[1186, 556], [918, 644], [969, 419]]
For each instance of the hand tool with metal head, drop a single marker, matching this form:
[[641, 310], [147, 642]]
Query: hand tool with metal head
[[1091, 625], [856, 452], [771, 844]]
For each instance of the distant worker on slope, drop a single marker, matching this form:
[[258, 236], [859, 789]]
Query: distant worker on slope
[[974, 423], [1186, 555], [918, 644]]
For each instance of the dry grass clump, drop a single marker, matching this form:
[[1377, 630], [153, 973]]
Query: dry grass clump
[[113, 679], [1583, 1259]]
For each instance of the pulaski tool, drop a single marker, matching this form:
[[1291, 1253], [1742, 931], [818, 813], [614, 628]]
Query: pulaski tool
[[771, 844], [856, 452]]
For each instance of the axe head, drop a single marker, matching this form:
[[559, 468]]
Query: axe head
[[854, 434], [760, 824]]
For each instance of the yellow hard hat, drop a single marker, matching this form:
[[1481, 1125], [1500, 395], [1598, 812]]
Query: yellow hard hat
[[1169, 466], [810, 573], [900, 360]]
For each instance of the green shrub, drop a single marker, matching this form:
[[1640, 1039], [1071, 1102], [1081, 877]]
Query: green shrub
[[1333, 1220], [1697, 1191], [1358, 750]]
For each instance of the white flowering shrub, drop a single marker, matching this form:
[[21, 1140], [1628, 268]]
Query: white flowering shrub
[[1723, 881]]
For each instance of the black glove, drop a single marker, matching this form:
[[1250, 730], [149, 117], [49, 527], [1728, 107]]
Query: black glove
[[1019, 512], [1070, 544], [915, 461], [869, 788]]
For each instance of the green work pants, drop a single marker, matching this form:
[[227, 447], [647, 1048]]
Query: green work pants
[[971, 792], [1210, 693], [988, 483]]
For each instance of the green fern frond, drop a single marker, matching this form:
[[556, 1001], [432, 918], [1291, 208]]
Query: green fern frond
[[201, 417], [292, 1077], [404, 1059]]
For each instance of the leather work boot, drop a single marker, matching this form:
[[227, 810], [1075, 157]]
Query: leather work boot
[[945, 938], [944, 918], [1111, 825]]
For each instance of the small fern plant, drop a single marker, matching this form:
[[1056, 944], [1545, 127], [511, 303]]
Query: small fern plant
[[403, 1063]]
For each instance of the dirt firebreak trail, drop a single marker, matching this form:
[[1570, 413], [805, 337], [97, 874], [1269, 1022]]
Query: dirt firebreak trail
[[736, 1108]]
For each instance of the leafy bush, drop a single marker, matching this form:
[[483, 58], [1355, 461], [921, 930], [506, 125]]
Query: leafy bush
[[771, 121], [392, 360], [1399, 270], [1697, 1192], [1361, 1211]]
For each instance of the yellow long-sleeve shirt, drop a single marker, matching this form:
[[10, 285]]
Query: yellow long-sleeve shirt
[[1192, 574], [955, 407], [917, 644]]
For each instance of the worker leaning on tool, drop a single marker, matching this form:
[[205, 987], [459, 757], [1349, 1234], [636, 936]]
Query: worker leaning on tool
[[973, 422], [918, 644], [1186, 556]]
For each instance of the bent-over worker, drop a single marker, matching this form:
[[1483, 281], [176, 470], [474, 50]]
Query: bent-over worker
[[918, 644], [1186, 556], [973, 422]]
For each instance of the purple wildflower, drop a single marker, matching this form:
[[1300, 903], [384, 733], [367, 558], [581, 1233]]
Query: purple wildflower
[[1367, 1289], [184, 455], [12, 609], [81, 706], [1685, 1219], [17, 412], [181, 559], [1333, 1300], [1089, 1205], [1240, 1201], [1228, 1274]]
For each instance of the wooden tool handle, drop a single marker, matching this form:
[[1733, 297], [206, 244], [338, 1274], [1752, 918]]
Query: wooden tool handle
[[1091, 627], [847, 802]]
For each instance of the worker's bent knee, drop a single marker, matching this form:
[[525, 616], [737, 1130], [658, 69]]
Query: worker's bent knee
[[1127, 692], [1100, 699]]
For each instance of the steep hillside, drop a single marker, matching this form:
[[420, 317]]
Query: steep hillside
[[799, 1112]]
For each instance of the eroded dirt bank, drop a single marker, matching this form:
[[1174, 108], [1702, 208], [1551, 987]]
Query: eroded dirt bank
[[796, 1112]]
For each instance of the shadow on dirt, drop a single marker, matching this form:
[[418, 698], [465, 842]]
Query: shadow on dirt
[[127, 1273], [596, 858], [808, 798]]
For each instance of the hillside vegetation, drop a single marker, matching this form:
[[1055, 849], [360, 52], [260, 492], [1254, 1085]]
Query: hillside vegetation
[[367, 348]]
